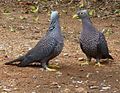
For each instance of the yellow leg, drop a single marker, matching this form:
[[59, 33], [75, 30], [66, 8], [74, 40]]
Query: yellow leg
[[54, 66], [85, 63], [45, 66], [98, 64], [49, 69]]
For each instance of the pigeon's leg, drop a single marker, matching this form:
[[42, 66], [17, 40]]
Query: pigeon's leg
[[53, 65], [45, 66], [98, 62], [86, 62]]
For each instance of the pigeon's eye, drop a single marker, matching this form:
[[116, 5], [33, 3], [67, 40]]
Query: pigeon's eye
[[81, 13]]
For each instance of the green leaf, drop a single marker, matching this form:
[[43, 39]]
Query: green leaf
[[117, 11], [22, 18], [81, 6], [91, 12], [34, 9]]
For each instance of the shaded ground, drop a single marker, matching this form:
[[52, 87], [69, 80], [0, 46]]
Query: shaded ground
[[20, 32]]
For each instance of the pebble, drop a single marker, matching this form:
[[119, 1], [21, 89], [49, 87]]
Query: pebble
[[38, 86], [7, 90], [97, 71], [77, 82], [80, 90], [66, 90], [94, 87], [57, 60], [105, 88], [80, 59], [55, 85], [88, 75], [65, 54], [59, 73], [34, 77], [33, 92], [4, 92]]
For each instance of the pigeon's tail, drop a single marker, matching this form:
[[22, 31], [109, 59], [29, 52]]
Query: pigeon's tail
[[15, 60], [110, 57], [107, 56]]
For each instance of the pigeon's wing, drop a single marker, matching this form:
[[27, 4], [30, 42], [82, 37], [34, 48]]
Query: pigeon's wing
[[82, 47], [43, 49], [102, 45]]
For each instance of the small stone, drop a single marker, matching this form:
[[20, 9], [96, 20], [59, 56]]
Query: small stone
[[80, 59], [55, 85], [7, 90], [79, 82], [4, 92], [38, 86], [65, 54], [33, 92], [57, 60], [21, 27], [88, 75], [80, 90], [59, 73], [117, 80], [34, 77], [66, 90], [105, 88], [76, 86], [97, 71], [94, 87], [15, 88]]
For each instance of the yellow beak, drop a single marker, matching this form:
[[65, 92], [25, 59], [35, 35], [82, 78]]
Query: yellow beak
[[76, 16]]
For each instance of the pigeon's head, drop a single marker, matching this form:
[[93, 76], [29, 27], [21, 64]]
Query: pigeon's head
[[54, 15], [81, 14]]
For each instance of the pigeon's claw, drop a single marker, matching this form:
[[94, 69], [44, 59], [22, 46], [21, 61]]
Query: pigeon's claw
[[54, 66], [99, 64], [85, 63], [49, 69]]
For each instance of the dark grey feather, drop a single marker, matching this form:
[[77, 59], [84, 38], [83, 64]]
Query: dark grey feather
[[92, 42], [47, 48]]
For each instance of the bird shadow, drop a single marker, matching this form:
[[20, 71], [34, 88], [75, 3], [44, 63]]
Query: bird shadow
[[35, 65], [30, 65]]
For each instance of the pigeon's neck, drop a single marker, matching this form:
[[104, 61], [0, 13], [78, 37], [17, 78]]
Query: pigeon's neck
[[54, 24], [87, 24]]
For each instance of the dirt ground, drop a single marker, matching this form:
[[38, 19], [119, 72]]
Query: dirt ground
[[20, 32]]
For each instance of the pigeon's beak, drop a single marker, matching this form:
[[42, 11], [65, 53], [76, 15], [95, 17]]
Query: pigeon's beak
[[76, 16]]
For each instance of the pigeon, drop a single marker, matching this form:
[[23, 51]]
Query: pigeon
[[92, 41], [47, 48]]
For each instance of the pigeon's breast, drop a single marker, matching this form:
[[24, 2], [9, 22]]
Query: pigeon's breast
[[89, 43]]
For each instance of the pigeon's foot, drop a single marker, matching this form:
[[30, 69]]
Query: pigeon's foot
[[54, 66], [85, 63], [45, 66], [99, 64], [49, 69]]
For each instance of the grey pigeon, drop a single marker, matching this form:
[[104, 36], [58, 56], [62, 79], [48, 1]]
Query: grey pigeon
[[92, 42], [47, 48]]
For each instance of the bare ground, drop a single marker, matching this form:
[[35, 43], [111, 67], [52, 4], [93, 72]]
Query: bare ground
[[20, 32]]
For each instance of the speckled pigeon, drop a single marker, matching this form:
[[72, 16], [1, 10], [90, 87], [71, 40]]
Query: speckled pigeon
[[47, 48], [92, 42]]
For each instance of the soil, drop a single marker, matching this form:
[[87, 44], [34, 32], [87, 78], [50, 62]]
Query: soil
[[19, 32]]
